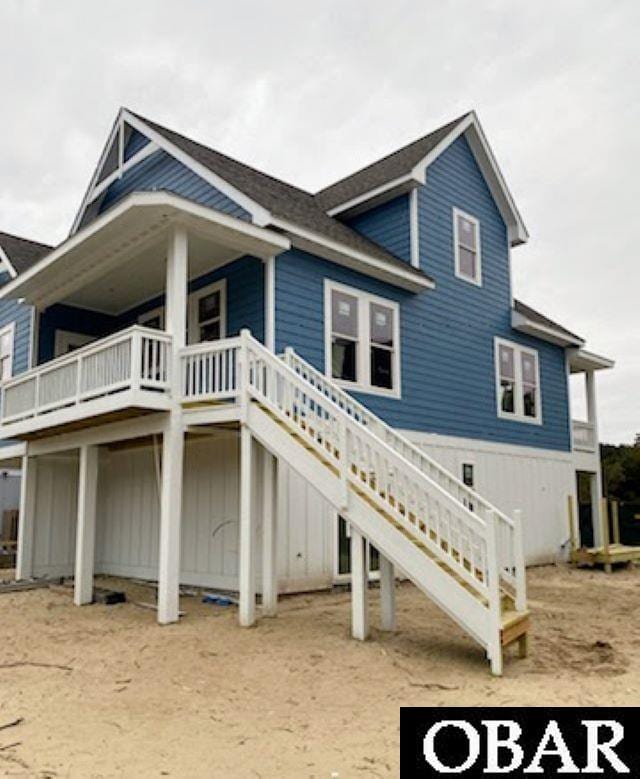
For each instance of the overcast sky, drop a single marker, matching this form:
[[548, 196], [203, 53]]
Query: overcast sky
[[311, 95]]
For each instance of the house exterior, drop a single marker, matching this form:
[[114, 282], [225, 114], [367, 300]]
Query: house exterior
[[16, 328], [239, 384]]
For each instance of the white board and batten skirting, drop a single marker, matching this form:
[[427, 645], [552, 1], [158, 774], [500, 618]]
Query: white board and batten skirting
[[533, 480]]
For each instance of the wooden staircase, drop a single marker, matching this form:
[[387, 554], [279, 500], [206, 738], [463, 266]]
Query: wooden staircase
[[514, 624]]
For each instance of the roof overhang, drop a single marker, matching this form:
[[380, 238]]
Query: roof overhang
[[120, 234], [471, 128], [553, 335], [408, 278], [580, 361], [377, 196]]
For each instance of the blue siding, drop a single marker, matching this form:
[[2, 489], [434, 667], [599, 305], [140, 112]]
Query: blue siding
[[20, 314], [387, 225], [245, 308], [160, 171], [74, 319], [245, 297], [447, 360], [137, 141]]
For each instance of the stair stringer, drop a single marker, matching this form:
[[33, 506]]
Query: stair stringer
[[457, 602]]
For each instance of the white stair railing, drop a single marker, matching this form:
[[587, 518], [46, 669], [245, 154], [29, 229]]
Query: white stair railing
[[509, 540], [426, 513]]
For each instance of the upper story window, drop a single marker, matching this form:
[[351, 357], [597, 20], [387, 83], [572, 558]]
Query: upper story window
[[466, 239], [517, 382], [362, 340], [6, 352]]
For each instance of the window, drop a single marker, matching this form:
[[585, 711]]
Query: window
[[6, 352], [208, 313], [467, 474], [343, 553], [68, 341], [153, 319], [362, 340], [466, 237], [517, 382]]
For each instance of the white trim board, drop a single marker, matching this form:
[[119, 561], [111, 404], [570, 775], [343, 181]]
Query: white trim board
[[357, 260], [6, 262], [490, 447]]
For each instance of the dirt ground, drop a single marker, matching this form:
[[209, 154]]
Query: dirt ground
[[103, 691]]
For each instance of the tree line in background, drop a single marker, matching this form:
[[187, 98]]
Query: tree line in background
[[621, 470]]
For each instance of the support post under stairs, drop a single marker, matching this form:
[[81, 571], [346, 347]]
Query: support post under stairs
[[359, 586]]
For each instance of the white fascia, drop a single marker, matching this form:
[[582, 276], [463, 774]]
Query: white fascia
[[488, 165], [521, 323], [259, 215], [401, 183], [408, 279]]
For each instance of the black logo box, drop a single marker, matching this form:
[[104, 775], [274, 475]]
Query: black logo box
[[453, 748]]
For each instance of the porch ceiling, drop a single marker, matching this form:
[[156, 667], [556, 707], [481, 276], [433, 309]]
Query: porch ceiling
[[118, 260]]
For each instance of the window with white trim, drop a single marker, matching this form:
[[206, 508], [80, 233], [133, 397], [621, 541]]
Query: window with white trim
[[362, 340], [466, 239], [208, 313], [517, 382], [6, 352]]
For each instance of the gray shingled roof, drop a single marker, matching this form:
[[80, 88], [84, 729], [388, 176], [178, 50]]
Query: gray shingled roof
[[21, 252], [538, 318], [393, 166], [282, 200]]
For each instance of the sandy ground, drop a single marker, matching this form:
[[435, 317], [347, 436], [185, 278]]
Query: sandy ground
[[292, 697]]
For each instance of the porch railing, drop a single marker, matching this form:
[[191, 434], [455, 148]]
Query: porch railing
[[136, 358], [584, 436]]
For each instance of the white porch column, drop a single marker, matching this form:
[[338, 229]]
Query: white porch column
[[270, 303], [269, 535], [596, 479], [86, 525], [359, 586], [246, 572], [26, 518], [173, 435], [387, 595]]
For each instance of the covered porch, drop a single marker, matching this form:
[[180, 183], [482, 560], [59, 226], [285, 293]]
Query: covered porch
[[123, 311], [588, 522], [117, 304]]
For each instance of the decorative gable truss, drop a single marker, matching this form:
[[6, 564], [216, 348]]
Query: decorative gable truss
[[132, 141]]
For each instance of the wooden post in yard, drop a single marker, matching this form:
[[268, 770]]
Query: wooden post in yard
[[615, 520], [604, 519], [573, 540]]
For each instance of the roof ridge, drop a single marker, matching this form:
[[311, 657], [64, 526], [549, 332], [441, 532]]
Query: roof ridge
[[448, 125], [227, 157]]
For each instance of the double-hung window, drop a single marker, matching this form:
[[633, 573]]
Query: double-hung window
[[6, 352], [362, 340], [517, 382], [466, 239]]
